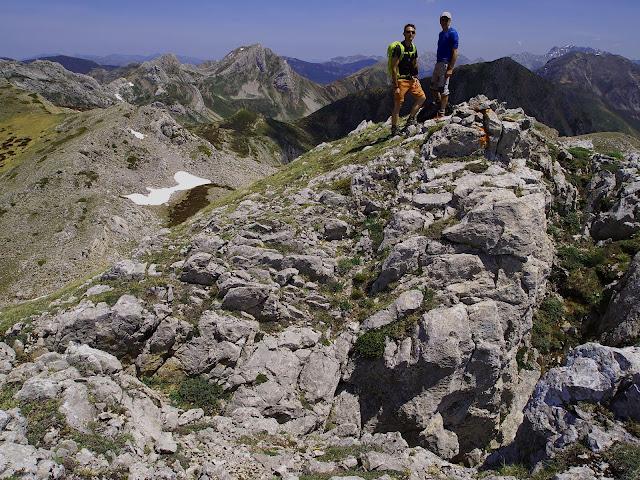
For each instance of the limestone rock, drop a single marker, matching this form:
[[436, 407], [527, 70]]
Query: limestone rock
[[620, 324]]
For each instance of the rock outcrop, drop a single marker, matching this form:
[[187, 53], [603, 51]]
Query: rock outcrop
[[58, 85], [371, 314]]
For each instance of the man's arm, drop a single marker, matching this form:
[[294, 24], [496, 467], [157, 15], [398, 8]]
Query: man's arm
[[395, 62], [452, 63], [414, 66]]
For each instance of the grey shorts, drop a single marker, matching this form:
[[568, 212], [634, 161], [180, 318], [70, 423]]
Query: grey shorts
[[439, 79]]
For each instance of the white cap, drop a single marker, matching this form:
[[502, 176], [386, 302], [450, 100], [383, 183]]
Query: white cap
[[446, 14]]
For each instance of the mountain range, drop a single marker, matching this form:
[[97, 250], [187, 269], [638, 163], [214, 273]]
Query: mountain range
[[74, 64], [570, 109], [535, 61], [256, 79], [614, 79], [123, 60]]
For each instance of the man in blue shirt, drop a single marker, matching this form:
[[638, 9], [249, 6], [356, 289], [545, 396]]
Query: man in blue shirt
[[446, 60]]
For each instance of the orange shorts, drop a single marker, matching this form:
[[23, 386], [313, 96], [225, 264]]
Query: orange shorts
[[412, 86]]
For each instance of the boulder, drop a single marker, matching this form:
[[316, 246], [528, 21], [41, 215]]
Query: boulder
[[620, 325], [454, 140], [200, 269], [506, 227], [593, 374], [335, 229], [126, 270], [404, 257]]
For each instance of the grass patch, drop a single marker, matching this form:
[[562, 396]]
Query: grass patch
[[375, 224], [435, 230], [371, 344], [546, 334], [132, 162], [346, 264], [191, 392], [7, 402], [477, 167], [204, 150], [342, 186], [624, 461], [618, 155], [336, 453]]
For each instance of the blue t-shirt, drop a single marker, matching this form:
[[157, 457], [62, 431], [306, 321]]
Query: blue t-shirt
[[447, 41]]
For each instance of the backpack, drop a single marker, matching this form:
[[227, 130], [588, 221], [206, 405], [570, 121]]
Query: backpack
[[392, 46]]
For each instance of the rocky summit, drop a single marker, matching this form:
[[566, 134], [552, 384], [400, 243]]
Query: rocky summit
[[458, 302]]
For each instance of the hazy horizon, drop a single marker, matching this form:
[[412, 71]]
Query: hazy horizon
[[208, 31]]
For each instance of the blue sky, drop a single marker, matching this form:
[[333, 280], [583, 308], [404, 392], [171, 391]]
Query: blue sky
[[311, 30]]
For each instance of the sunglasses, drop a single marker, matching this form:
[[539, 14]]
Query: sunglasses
[[413, 32]]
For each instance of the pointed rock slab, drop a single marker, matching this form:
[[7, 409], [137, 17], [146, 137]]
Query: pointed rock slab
[[77, 408], [92, 360], [594, 374], [335, 229], [126, 270], [320, 375]]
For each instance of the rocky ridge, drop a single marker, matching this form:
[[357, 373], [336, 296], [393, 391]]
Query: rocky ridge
[[64, 175], [366, 312]]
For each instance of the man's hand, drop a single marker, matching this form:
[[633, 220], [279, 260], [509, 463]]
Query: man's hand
[[449, 72]]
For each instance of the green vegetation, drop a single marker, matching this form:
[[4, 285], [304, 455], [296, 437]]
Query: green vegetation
[[342, 186], [203, 149], [7, 401], [260, 379], [25, 125], [375, 224], [23, 311], [624, 461], [42, 182], [132, 162], [371, 344], [346, 264], [248, 134], [617, 154], [190, 392], [43, 416], [89, 177], [477, 167], [436, 228], [547, 335], [560, 463]]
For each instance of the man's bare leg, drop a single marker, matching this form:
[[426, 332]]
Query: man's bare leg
[[444, 100], [417, 106], [395, 115]]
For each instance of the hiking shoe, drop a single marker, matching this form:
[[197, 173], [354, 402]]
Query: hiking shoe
[[440, 115], [410, 121], [394, 130]]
